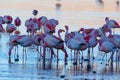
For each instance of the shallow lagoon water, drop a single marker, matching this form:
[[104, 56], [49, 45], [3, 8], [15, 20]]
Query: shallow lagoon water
[[76, 14]]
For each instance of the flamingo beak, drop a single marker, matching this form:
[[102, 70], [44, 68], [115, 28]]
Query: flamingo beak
[[63, 30]]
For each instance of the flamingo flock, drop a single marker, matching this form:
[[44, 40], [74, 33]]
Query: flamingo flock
[[41, 34]]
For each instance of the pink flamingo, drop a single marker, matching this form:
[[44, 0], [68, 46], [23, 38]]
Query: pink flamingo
[[111, 23], [32, 26], [105, 44], [50, 26], [92, 40], [60, 46], [51, 41], [115, 38], [74, 41], [17, 23], [25, 41], [7, 19], [10, 27], [12, 43], [37, 40]]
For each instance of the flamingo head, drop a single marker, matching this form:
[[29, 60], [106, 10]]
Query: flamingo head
[[61, 30], [35, 12], [17, 21], [81, 29], [107, 18], [66, 27]]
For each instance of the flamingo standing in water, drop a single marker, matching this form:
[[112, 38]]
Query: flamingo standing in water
[[60, 46], [105, 44], [74, 41], [13, 43], [51, 41], [25, 41], [111, 23], [92, 40], [115, 38]]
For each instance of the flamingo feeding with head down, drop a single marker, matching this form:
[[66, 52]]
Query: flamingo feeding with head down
[[13, 43]]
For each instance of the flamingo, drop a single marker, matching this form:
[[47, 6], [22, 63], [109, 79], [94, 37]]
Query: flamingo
[[17, 23], [25, 41], [50, 25], [10, 27], [111, 23], [32, 26], [115, 38], [92, 40], [60, 46], [52, 41], [7, 19], [12, 44], [105, 44], [37, 40], [74, 41]]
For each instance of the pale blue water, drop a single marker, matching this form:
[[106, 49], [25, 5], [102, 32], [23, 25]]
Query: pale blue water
[[74, 13]]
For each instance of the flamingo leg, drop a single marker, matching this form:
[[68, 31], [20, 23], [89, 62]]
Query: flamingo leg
[[103, 56], [57, 56], [93, 53], [44, 52], [106, 59], [71, 54], [52, 53], [88, 54], [79, 56], [38, 57], [9, 59], [16, 56], [25, 55], [111, 57]]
